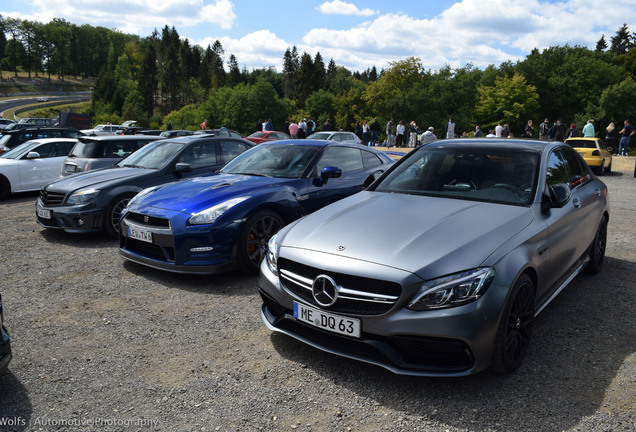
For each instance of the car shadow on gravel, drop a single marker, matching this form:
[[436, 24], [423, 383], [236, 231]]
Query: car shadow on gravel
[[229, 283], [579, 344], [15, 405], [83, 240]]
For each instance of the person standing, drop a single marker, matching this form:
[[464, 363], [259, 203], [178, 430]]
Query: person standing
[[499, 130], [528, 130], [259, 125], [293, 130], [544, 129], [428, 136], [357, 129], [610, 136], [506, 131], [302, 129], [204, 125], [389, 133], [627, 132], [558, 131], [412, 134], [366, 132], [169, 125], [269, 126], [310, 126], [450, 129], [326, 126], [573, 133], [399, 136], [375, 131], [588, 129], [478, 132]]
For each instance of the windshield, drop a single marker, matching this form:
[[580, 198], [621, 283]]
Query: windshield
[[258, 135], [580, 143], [277, 160], [152, 156], [17, 151], [500, 175], [83, 149]]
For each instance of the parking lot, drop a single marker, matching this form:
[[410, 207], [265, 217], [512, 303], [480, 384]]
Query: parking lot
[[104, 345]]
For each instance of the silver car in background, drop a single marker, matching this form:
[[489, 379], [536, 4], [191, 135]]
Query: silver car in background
[[440, 267]]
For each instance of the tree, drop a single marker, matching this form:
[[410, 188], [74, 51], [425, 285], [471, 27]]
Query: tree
[[12, 25], [617, 102], [3, 41], [291, 64], [601, 45], [510, 100], [148, 81], [234, 76], [622, 41]]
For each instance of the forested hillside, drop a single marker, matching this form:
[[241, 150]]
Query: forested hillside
[[162, 76]]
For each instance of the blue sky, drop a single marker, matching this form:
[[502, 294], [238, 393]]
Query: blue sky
[[356, 34]]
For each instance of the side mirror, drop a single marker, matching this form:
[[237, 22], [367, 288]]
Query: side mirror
[[33, 155], [371, 178], [183, 167], [330, 172], [557, 196]]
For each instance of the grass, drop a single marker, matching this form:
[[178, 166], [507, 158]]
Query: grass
[[41, 84]]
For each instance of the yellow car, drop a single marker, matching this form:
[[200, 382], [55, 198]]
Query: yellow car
[[594, 152]]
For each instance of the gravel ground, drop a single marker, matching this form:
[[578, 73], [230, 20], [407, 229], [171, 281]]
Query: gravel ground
[[104, 345]]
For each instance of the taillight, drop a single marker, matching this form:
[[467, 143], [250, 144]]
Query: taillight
[[596, 153], [87, 167]]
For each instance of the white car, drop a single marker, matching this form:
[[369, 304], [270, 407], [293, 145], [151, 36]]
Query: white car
[[33, 164], [102, 129]]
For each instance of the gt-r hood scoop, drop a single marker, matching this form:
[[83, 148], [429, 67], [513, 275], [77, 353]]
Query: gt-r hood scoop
[[423, 235]]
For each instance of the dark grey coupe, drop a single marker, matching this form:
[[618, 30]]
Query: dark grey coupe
[[440, 267]]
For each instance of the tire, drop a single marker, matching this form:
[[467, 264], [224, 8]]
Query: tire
[[600, 170], [5, 187], [111, 217], [609, 168], [253, 240], [597, 249], [515, 328]]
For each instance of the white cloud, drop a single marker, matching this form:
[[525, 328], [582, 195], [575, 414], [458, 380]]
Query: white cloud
[[338, 7]]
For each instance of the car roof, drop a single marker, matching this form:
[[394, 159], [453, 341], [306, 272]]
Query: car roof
[[35, 128], [525, 144], [120, 138]]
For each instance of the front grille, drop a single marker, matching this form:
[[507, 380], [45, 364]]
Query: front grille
[[150, 250], [357, 295], [51, 198], [416, 353], [148, 221]]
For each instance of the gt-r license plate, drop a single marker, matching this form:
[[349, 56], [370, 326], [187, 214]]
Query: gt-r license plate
[[140, 234], [43, 213], [327, 321]]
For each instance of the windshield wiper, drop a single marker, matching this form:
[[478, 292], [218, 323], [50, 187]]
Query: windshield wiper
[[251, 174], [133, 166]]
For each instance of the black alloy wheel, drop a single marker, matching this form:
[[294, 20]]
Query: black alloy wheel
[[597, 249], [113, 213], [515, 329], [254, 238]]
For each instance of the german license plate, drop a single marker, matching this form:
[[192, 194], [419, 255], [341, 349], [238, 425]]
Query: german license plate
[[70, 168], [327, 321], [140, 234], [43, 213]]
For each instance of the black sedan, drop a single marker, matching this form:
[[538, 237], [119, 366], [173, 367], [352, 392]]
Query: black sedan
[[93, 201]]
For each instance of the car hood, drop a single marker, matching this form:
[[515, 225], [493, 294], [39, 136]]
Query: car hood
[[99, 177], [427, 236], [199, 193]]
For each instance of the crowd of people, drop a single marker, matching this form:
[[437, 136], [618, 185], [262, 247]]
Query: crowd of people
[[402, 135]]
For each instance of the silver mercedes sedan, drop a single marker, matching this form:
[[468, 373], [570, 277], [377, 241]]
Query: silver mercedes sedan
[[440, 267]]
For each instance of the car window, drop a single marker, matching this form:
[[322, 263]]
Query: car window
[[200, 155], [578, 173], [275, 160], [557, 171], [231, 149], [63, 148], [346, 158], [153, 156], [44, 150], [501, 175], [235, 134], [370, 159]]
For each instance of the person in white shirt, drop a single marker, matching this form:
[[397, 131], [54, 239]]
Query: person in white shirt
[[428, 136]]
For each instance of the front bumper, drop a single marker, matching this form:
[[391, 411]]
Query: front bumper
[[71, 219], [195, 250], [444, 343]]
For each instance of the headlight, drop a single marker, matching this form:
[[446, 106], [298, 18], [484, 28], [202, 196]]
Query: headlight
[[83, 196], [272, 254], [211, 214], [453, 290]]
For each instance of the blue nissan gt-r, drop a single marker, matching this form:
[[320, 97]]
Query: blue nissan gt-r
[[223, 221]]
